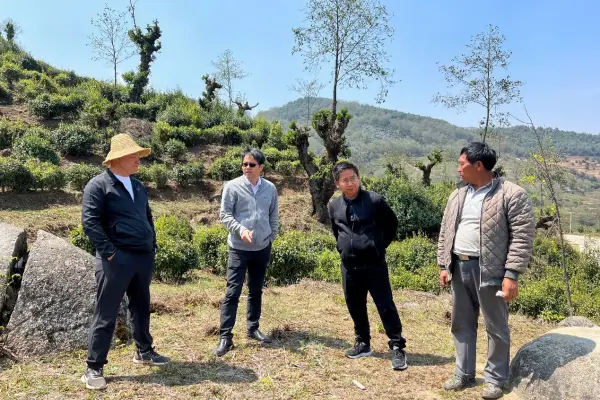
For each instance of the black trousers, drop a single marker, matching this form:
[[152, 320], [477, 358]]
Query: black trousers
[[375, 280], [240, 261], [127, 273]]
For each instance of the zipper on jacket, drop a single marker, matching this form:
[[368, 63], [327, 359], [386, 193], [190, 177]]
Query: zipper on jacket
[[480, 230]]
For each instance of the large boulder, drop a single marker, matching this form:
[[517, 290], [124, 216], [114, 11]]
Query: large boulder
[[13, 247], [56, 301], [582, 322], [137, 128], [562, 364]]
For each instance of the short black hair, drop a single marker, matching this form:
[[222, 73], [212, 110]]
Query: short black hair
[[255, 153], [342, 166], [477, 151]]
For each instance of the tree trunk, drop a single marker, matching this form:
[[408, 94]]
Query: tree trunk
[[564, 260]]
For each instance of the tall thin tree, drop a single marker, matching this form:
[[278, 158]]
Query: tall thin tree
[[228, 70]]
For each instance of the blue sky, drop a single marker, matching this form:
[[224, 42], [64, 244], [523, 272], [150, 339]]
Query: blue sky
[[555, 45]]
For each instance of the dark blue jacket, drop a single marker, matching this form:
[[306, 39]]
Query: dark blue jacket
[[112, 220], [363, 228]]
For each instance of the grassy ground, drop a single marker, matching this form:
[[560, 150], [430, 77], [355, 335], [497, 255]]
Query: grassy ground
[[311, 327]]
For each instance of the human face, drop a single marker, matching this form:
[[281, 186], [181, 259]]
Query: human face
[[349, 183], [468, 172], [251, 168], [127, 165]]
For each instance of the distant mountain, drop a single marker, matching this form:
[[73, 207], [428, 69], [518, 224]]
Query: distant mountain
[[375, 131]]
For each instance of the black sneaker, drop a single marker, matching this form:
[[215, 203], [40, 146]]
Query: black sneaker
[[149, 357], [360, 349], [399, 359], [94, 379]]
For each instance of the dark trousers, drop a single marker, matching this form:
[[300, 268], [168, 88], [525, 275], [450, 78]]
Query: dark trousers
[[240, 261], [375, 280], [127, 273]]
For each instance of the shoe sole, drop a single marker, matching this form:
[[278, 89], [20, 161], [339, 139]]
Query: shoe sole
[[467, 386], [401, 368], [91, 387], [142, 362], [360, 355], [260, 341], [221, 355]]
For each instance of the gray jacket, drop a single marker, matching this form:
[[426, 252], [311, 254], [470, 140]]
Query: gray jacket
[[242, 209]]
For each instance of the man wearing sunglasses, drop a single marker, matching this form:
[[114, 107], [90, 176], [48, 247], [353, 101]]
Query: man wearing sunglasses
[[364, 225], [249, 211]]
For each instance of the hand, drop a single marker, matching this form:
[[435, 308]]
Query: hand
[[112, 256], [247, 236], [510, 288], [444, 277]]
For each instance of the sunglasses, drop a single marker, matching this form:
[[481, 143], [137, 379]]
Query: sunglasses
[[249, 164]]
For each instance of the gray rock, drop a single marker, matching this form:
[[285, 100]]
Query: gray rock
[[56, 301], [137, 128], [562, 364], [5, 153], [577, 321], [13, 246]]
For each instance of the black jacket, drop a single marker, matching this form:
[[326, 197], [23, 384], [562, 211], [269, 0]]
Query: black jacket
[[363, 227], [112, 220]]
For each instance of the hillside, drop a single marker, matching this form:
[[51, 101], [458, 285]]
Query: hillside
[[375, 131]]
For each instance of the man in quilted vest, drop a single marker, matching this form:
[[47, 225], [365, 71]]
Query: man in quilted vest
[[485, 242]]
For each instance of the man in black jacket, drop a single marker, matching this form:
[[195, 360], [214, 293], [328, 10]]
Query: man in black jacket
[[117, 218], [364, 225]]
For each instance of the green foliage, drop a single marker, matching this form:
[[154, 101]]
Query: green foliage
[[78, 175], [147, 44], [225, 168], [207, 241], [50, 106], [5, 94], [295, 255], [175, 150], [34, 145], [47, 176], [159, 174], [276, 138], [10, 73], [328, 267], [10, 131], [229, 135], [15, 176], [74, 139], [418, 208], [189, 135], [179, 113], [78, 238], [426, 279], [188, 174], [143, 175], [176, 254], [147, 111], [67, 79], [98, 109], [411, 254]]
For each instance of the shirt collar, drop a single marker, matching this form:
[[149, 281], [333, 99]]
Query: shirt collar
[[247, 181]]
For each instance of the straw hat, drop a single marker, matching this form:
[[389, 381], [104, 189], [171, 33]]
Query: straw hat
[[122, 145]]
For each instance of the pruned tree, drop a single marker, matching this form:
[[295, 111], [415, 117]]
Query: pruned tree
[[11, 29], [210, 93], [110, 42], [349, 36], [478, 75], [228, 70], [243, 106], [309, 91], [147, 45], [552, 175], [435, 157]]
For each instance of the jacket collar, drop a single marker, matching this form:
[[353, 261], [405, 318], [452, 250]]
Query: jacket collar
[[354, 200]]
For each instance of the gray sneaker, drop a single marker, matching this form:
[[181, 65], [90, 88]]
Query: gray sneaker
[[459, 383], [94, 379], [491, 391]]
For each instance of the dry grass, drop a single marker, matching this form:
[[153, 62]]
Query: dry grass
[[311, 327]]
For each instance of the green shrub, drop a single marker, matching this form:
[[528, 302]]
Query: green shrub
[[141, 111], [74, 139], [159, 174], [10, 73], [5, 94], [207, 241], [328, 267], [419, 209], [175, 150], [15, 176], [66, 79], [180, 112], [47, 176], [188, 174], [276, 138], [426, 279], [412, 253], [174, 258], [287, 168], [189, 135], [78, 238], [228, 135], [10, 131], [173, 227], [32, 145], [143, 175], [225, 169], [294, 255], [50, 106], [78, 175], [176, 254]]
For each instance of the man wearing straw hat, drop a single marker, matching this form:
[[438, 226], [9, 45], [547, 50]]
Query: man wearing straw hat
[[117, 218]]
